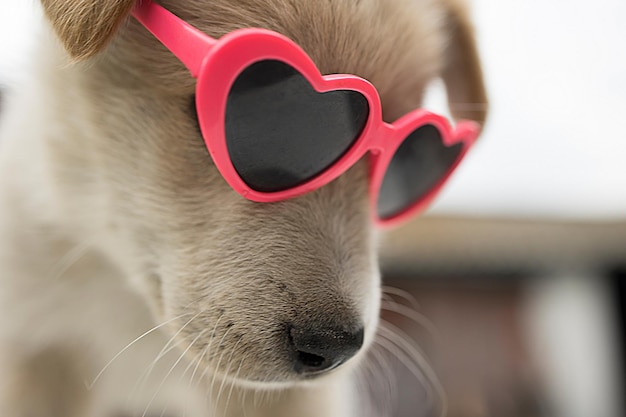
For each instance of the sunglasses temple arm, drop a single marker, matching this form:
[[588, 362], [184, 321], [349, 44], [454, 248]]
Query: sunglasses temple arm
[[186, 42], [468, 129]]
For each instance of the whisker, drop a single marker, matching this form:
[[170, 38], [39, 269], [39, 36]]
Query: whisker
[[407, 361], [256, 398], [140, 383], [165, 407], [365, 388], [413, 359], [413, 315], [198, 362], [182, 355], [208, 350], [402, 339], [70, 258], [191, 363], [389, 386], [168, 347], [244, 405], [232, 384], [360, 378], [211, 386], [230, 359], [405, 295], [90, 386]]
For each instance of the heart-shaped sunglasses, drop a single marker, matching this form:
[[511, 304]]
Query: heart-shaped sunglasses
[[276, 128]]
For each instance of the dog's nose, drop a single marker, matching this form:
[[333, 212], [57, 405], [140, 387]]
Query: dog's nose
[[321, 349]]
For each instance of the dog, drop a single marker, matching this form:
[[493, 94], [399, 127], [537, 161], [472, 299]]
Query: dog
[[134, 280]]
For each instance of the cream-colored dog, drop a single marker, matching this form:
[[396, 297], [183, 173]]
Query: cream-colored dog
[[113, 220]]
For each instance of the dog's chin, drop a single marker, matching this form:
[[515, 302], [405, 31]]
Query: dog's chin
[[282, 381], [286, 383]]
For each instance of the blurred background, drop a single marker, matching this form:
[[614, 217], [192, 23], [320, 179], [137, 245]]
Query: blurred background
[[509, 295], [518, 272]]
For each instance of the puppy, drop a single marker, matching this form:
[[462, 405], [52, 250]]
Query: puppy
[[128, 265]]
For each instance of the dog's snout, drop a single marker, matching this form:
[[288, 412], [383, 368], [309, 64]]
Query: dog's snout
[[317, 349]]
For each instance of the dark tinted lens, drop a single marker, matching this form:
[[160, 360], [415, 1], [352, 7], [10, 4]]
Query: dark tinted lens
[[280, 132], [417, 166]]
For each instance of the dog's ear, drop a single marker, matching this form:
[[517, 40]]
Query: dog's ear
[[463, 74], [86, 26]]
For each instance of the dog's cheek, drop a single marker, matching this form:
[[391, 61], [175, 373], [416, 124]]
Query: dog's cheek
[[233, 315], [246, 269]]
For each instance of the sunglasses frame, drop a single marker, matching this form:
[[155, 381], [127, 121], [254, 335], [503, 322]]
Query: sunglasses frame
[[216, 64]]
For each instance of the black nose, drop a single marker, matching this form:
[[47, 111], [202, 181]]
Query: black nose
[[322, 349]]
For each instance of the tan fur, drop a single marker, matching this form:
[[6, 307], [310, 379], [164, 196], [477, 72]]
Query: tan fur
[[462, 72], [116, 192], [85, 26]]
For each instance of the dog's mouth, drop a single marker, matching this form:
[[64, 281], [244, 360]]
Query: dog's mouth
[[292, 354], [263, 337]]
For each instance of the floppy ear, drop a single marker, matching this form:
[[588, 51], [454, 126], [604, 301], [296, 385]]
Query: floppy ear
[[86, 26], [462, 73]]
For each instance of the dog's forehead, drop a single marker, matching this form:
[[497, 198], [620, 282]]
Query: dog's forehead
[[341, 36], [395, 44]]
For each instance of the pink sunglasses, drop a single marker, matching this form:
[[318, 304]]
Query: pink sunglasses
[[276, 128]]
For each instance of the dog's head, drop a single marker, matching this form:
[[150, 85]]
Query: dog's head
[[262, 293]]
